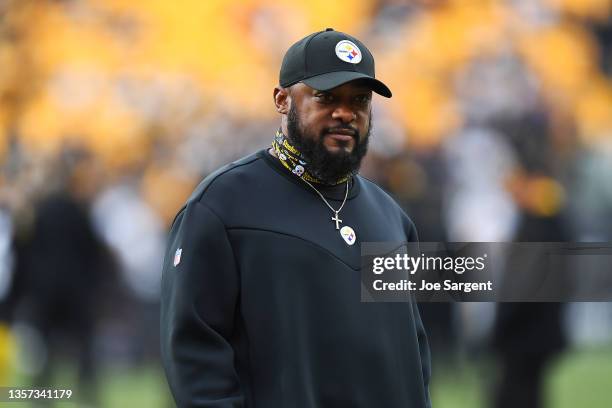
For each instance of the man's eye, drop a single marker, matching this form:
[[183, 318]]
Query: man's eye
[[324, 98], [363, 99]]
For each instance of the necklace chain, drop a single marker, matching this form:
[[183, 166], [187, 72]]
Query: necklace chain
[[336, 219], [325, 201]]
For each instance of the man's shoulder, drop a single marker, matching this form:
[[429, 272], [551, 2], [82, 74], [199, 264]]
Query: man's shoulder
[[387, 203], [220, 188], [378, 193], [234, 176]]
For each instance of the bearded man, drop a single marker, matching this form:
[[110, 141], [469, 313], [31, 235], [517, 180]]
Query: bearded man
[[261, 285]]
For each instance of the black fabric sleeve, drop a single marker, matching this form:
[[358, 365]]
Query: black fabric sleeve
[[200, 286], [424, 351]]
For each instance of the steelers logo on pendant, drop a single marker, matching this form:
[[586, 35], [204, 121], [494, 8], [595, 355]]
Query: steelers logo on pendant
[[348, 235]]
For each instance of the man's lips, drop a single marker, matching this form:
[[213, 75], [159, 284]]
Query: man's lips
[[344, 135], [340, 137]]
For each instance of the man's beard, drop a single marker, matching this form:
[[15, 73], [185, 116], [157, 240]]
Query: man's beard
[[326, 166]]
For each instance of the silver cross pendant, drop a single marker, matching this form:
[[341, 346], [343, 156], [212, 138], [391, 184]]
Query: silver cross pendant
[[336, 220]]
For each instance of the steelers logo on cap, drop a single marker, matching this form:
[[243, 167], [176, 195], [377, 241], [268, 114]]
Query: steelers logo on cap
[[347, 51]]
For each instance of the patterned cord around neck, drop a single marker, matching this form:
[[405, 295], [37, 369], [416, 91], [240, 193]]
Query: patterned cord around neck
[[294, 161]]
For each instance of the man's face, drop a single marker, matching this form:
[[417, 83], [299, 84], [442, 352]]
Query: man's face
[[331, 128]]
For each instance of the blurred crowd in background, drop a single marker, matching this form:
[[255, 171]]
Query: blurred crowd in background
[[500, 129]]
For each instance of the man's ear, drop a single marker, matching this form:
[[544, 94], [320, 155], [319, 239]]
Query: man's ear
[[281, 100]]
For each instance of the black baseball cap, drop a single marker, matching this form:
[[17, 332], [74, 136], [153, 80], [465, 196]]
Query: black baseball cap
[[327, 59]]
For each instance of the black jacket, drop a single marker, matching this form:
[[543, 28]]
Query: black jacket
[[263, 306]]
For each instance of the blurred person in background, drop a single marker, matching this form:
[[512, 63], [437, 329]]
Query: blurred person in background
[[260, 291], [61, 267], [128, 225], [527, 337]]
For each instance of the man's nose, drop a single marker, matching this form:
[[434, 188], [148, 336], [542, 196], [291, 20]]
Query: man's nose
[[344, 114]]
